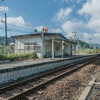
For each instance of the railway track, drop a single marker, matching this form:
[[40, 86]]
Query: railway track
[[26, 87]]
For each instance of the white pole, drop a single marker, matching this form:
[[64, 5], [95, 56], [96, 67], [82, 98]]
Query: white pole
[[52, 48], [62, 49], [75, 49], [94, 47], [42, 51]]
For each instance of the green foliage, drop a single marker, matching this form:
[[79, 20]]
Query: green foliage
[[0, 46], [24, 56], [2, 39], [2, 57], [12, 57], [85, 46], [2, 51], [91, 51], [45, 56]]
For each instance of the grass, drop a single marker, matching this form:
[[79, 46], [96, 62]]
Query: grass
[[13, 57], [25, 56], [91, 51], [2, 51]]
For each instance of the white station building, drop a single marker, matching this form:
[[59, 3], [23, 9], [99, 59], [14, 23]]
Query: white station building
[[53, 44]]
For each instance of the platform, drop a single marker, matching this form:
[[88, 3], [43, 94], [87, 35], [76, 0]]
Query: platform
[[15, 64], [19, 69]]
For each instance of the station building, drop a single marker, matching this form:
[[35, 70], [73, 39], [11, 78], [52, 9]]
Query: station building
[[53, 44]]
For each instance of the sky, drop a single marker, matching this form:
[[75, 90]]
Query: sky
[[61, 16]]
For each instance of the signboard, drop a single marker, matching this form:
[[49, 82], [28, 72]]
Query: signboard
[[62, 46]]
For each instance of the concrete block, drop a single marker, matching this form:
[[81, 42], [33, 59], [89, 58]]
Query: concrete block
[[22, 71]]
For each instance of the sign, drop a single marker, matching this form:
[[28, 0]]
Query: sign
[[62, 46]]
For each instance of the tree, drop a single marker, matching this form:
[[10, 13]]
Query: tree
[[91, 47], [0, 46], [85, 46], [35, 30], [96, 47]]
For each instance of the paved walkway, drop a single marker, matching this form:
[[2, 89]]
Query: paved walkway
[[29, 62]]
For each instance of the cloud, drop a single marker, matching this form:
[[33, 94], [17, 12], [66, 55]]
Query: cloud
[[92, 9], [62, 14], [58, 30], [95, 37], [94, 24], [18, 21], [86, 35], [78, 1], [70, 26], [39, 28], [0, 20], [2, 9], [69, 35], [67, 1]]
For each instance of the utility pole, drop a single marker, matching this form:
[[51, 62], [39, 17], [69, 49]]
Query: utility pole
[[94, 47], [76, 38], [90, 42], [75, 44], [42, 51], [6, 42]]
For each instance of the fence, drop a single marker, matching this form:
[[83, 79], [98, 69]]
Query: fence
[[6, 51], [27, 49]]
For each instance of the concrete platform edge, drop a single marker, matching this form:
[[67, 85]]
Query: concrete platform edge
[[4, 70], [87, 90]]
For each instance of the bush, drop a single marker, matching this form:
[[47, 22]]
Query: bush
[[24, 56], [2, 57], [12, 57], [1, 46], [45, 56], [34, 55]]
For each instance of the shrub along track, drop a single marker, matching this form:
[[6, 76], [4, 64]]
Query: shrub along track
[[20, 90]]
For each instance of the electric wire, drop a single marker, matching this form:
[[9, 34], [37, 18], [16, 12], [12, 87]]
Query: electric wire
[[25, 13]]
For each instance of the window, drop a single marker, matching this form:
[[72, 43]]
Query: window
[[32, 47]]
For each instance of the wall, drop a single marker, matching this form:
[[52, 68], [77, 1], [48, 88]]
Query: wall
[[69, 49], [48, 48], [7, 75], [19, 43], [66, 49], [29, 39]]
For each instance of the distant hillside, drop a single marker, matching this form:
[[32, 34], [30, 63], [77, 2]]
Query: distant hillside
[[2, 40], [96, 45], [82, 43]]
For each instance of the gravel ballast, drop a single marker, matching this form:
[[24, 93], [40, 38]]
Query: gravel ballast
[[69, 87], [95, 93]]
